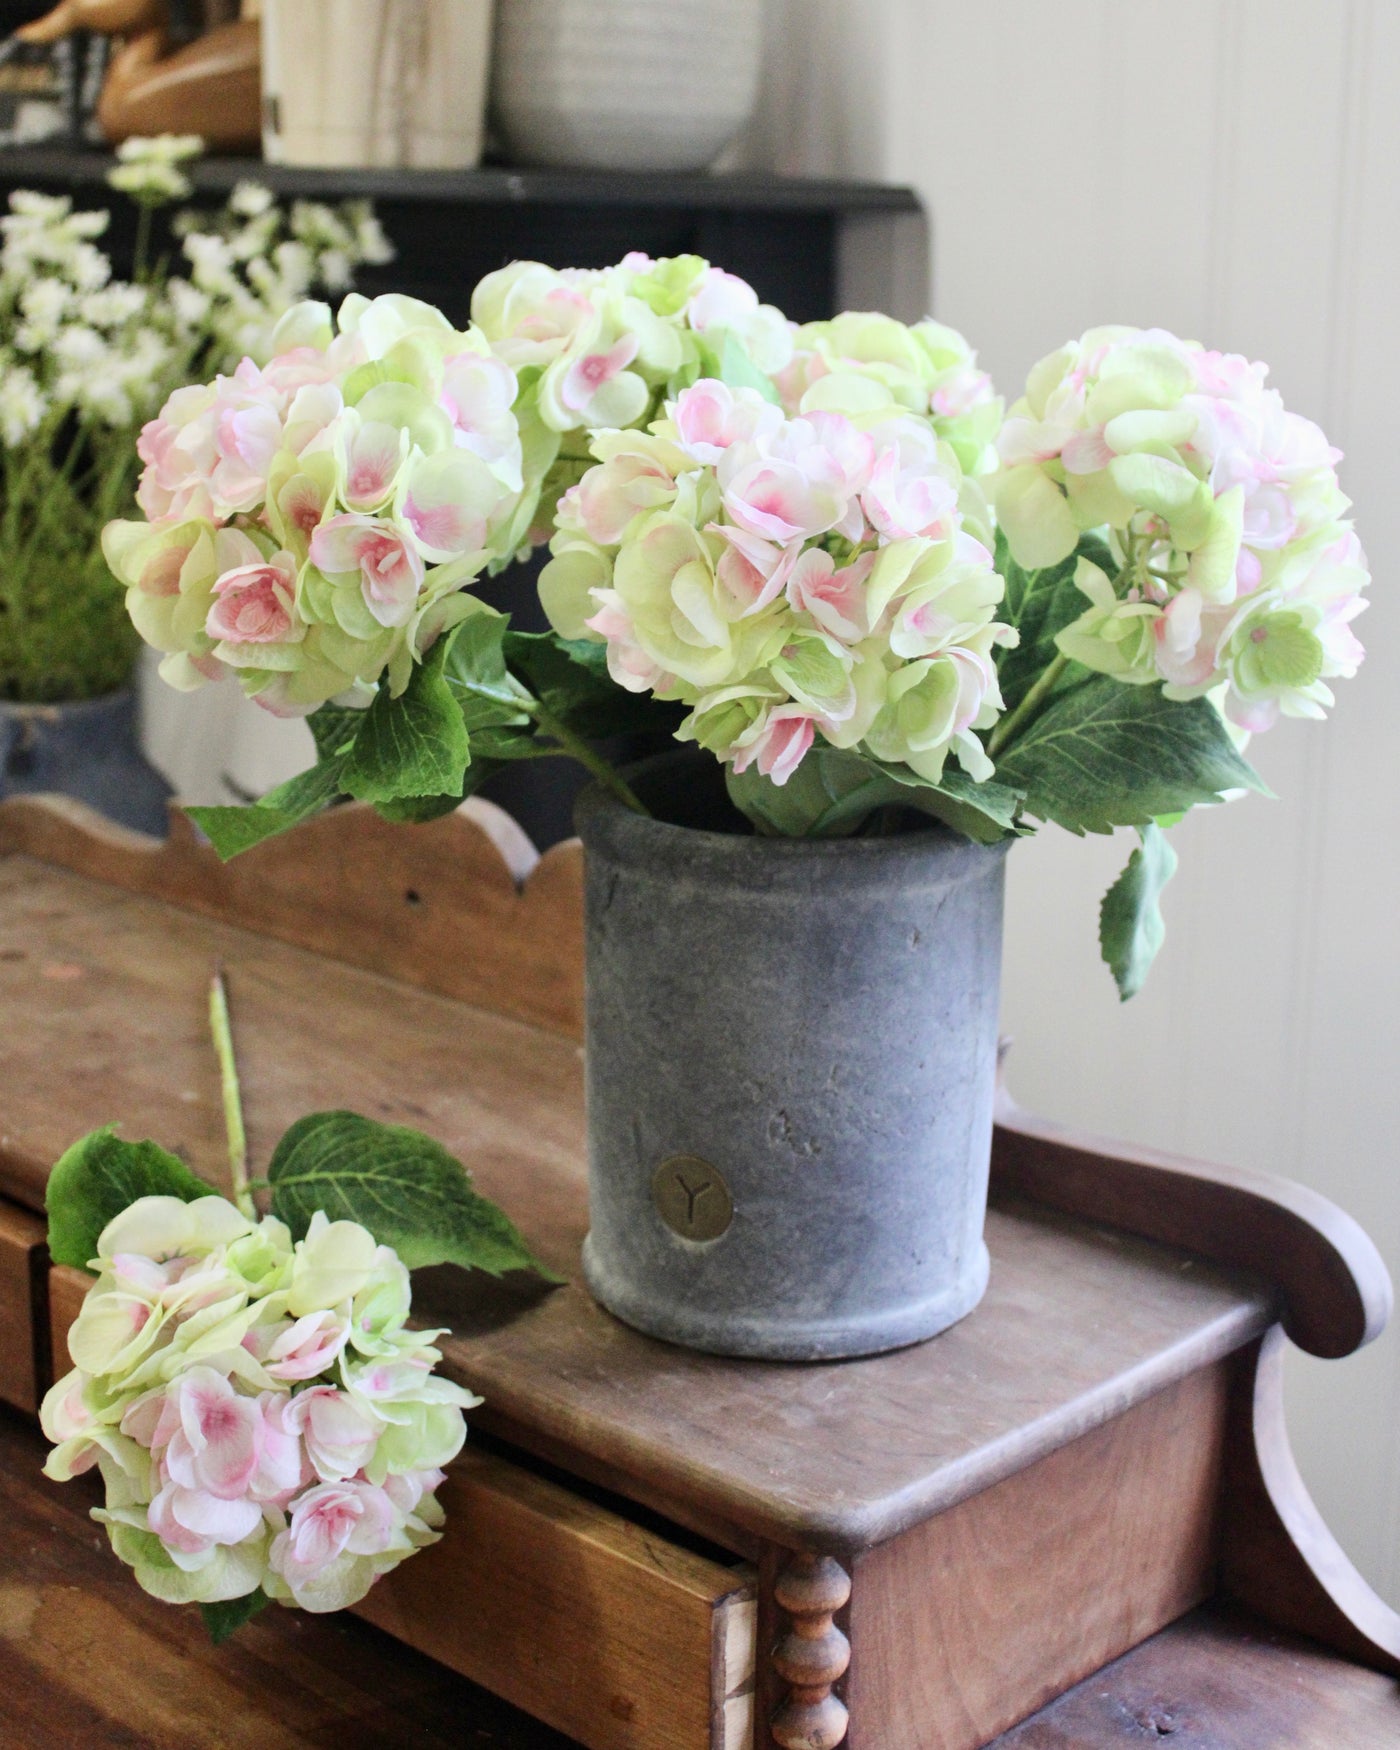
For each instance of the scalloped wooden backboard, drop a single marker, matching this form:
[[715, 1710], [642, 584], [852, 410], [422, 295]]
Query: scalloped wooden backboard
[[463, 906]]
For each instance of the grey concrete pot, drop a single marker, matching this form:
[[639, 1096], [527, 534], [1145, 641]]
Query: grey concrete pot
[[87, 749], [791, 1057]]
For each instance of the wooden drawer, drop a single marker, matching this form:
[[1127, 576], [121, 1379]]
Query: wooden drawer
[[617, 1633], [609, 1631], [22, 1337]]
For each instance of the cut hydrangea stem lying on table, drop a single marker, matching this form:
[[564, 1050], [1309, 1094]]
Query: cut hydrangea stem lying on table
[[222, 1029]]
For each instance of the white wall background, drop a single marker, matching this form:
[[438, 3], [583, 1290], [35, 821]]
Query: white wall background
[[1225, 168]]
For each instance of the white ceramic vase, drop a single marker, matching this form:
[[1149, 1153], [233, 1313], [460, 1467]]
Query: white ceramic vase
[[375, 83], [624, 84]]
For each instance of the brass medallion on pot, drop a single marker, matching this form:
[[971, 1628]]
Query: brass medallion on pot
[[692, 1198]]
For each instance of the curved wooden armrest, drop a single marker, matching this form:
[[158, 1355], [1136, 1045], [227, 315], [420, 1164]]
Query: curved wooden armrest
[[1335, 1290], [1279, 1557]]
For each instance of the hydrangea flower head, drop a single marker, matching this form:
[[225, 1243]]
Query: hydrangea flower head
[[788, 576], [244, 1439], [310, 524], [1239, 573]]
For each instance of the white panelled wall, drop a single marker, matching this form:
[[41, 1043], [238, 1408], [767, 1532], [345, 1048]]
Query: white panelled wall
[[1225, 168]]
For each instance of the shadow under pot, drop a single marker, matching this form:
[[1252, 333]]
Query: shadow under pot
[[791, 1054]]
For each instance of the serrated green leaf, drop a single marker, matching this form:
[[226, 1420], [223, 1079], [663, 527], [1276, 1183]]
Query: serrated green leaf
[[96, 1179], [833, 793], [230, 1614], [415, 745], [333, 728], [405, 1188], [1040, 604], [475, 670], [986, 812], [1107, 755], [828, 796], [415, 810], [232, 830], [1131, 927], [570, 678]]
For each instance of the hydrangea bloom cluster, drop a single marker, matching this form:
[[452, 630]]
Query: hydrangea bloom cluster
[[1236, 567], [601, 349], [259, 1413], [311, 523], [787, 577], [928, 369]]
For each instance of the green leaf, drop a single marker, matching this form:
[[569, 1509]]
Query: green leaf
[[985, 812], [415, 810], [570, 678], [415, 745], [833, 793], [1131, 928], [474, 668], [1040, 604], [404, 1187], [231, 1613], [828, 796], [333, 728], [1106, 755], [97, 1178], [232, 830]]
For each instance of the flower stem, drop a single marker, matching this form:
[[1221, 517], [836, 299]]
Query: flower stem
[[143, 242], [220, 1027], [586, 756], [1028, 706]]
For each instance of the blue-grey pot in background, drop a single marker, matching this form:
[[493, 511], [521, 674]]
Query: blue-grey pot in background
[[88, 749], [791, 1061]]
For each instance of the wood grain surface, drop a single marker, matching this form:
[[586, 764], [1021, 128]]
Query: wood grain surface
[[969, 1622], [88, 1661], [1218, 1680], [463, 905], [107, 991], [23, 1340], [1023, 1426], [1335, 1291], [1279, 1557], [603, 1628]]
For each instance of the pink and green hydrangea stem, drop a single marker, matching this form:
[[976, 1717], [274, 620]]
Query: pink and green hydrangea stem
[[221, 1028]]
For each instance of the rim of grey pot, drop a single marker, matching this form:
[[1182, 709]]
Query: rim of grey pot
[[680, 850]]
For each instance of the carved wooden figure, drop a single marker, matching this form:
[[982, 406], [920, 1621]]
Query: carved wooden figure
[[210, 87], [1070, 1521]]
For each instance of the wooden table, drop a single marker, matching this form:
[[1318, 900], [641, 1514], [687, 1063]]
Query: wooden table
[[649, 1547]]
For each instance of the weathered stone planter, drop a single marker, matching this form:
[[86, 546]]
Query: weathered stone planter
[[791, 1058], [87, 749]]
